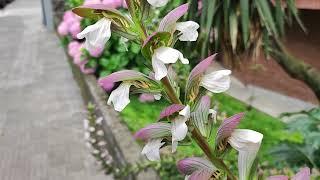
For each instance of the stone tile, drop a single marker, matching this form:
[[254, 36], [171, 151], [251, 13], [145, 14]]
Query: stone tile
[[41, 109]]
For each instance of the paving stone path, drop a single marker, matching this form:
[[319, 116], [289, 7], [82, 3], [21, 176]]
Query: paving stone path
[[41, 110]]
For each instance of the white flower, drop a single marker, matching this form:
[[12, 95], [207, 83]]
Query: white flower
[[86, 135], [99, 120], [85, 124], [120, 97], [216, 81], [165, 55], [92, 140], [152, 149], [100, 133], [96, 35], [104, 154], [95, 151], [158, 3], [92, 129], [247, 143], [188, 30], [179, 127], [157, 96], [102, 143]]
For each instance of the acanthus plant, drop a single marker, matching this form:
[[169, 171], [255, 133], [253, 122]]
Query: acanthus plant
[[190, 116]]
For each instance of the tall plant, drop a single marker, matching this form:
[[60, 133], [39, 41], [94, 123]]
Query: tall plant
[[189, 117]]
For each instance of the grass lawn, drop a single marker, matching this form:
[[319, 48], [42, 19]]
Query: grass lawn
[[137, 115]]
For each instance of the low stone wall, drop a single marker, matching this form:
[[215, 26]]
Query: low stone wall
[[122, 145]]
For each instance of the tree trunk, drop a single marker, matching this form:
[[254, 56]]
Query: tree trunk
[[298, 69]]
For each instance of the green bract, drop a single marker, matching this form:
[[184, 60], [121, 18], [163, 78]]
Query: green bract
[[155, 41]]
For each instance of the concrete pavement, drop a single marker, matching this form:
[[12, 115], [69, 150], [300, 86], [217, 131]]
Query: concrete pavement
[[41, 109]]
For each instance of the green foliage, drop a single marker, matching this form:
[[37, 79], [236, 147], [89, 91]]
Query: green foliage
[[307, 150], [73, 3], [242, 27]]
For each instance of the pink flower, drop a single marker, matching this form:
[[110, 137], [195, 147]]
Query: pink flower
[[77, 60], [86, 70], [68, 16], [74, 48], [96, 52], [75, 29], [90, 2], [145, 97], [124, 4], [303, 174], [63, 29], [112, 3]]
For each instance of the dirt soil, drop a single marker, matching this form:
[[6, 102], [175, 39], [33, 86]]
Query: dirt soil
[[268, 74]]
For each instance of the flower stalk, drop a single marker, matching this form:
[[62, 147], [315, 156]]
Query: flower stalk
[[196, 135]]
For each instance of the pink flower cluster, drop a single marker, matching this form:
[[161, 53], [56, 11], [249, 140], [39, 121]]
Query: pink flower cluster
[[69, 24], [111, 3], [74, 50]]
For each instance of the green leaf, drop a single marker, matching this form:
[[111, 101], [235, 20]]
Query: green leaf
[[226, 6], [217, 29], [294, 10], [245, 21], [266, 16], [279, 16], [233, 27]]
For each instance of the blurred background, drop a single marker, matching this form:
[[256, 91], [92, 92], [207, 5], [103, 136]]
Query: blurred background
[[271, 46]]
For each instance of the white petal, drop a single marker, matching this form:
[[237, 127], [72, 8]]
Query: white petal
[[247, 143], [97, 34], [100, 133], [99, 120], [120, 97], [157, 3], [174, 146], [217, 81], [86, 135], [179, 131], [188, 30], [213, 115], [159, 68], [187, 177], [85, 124], [157, 96], [152, 149], [169, 55], [185, 111]]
